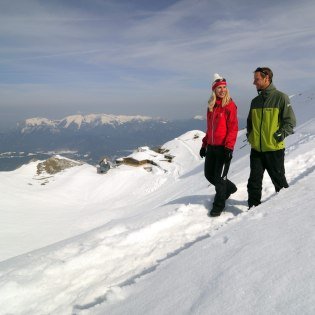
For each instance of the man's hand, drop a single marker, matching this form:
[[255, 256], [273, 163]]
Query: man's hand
[[278, 135]]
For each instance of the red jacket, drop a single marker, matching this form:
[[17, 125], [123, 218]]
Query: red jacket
[[222, 125]]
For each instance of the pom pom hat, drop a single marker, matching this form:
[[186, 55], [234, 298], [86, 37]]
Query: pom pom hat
[[217, 81]]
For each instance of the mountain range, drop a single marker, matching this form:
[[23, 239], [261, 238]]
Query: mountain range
[[88, 137]]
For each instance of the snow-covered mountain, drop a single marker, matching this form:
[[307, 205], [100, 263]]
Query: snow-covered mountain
[[137, 239], [90, 136], [79, 121]]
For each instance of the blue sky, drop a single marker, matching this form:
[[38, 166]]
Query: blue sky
[[155, 58]]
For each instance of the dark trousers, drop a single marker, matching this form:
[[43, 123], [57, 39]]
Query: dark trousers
[[273, 162], [214, 167]]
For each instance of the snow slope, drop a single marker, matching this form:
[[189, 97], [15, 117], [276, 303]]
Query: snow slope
[[140, 242]]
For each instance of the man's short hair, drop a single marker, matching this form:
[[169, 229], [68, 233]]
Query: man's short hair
[[264, 71]]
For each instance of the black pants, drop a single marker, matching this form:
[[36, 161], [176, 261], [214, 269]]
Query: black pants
[[214, 167], [273, 162]]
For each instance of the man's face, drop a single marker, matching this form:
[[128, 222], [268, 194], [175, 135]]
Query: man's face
[[260, 82]]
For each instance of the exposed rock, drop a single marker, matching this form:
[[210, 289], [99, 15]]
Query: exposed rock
[[55, 165]]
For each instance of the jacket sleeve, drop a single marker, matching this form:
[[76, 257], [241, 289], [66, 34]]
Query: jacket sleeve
[[249, 125], [204, 141], [287, 118], [232, 127], [205, 138]]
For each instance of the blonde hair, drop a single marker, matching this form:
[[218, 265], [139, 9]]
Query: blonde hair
[[226, 99]]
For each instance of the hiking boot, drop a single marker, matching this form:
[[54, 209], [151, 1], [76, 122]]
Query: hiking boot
[[228, 194], [215, 212], [284, 186], [250, 206]]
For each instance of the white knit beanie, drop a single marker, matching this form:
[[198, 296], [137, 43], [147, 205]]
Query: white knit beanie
[[220, 81]]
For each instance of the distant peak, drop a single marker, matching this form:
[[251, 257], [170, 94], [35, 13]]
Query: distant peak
[[101, 119], [79, 119], [199, 117], [37, 121]]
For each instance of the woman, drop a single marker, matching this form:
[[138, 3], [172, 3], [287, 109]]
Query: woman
[[218, 144]]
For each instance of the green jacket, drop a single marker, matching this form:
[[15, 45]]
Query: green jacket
[[270, 120]]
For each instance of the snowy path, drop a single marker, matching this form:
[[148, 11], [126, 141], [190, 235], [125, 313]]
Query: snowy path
[[262, 263]]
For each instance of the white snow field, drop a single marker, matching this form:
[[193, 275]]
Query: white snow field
[[138, 242]]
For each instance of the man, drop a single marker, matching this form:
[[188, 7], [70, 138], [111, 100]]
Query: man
[[270, 120]]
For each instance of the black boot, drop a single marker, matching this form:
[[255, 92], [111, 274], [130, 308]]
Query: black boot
[[215, 212], [230, 192], [251, 205], [285, 185]]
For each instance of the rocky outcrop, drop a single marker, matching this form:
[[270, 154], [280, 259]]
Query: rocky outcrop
[[55, 165]]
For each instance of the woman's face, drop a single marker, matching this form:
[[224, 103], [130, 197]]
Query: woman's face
[[220, 91]]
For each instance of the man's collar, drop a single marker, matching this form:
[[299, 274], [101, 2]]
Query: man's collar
[[267, 90]]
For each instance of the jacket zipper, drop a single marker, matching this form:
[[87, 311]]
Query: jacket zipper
[[213, 126], [261, 123]]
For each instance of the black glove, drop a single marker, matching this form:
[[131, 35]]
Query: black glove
[[228, 154], [278, 135], [202, 152]]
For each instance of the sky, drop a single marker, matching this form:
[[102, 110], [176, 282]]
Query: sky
[[154, 58]]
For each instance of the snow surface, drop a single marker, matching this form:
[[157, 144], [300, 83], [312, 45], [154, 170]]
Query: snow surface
[[138, 242]]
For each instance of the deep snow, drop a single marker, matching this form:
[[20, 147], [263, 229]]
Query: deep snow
[[140, 242]]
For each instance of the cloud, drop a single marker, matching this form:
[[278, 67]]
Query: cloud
[[91, 50]]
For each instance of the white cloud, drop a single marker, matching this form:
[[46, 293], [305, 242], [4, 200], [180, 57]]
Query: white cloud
[[179, 46]]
